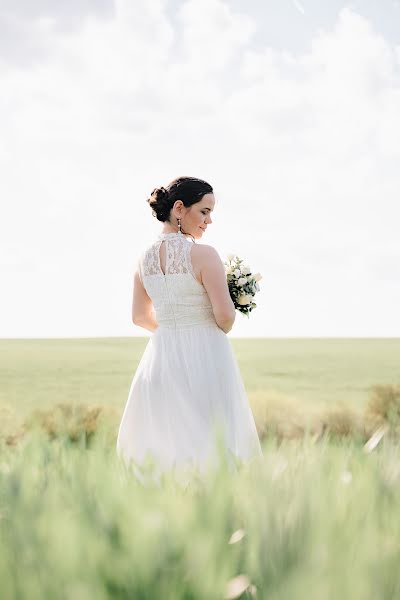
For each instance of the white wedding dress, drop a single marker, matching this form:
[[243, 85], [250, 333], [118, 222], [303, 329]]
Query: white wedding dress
[[188, 381]]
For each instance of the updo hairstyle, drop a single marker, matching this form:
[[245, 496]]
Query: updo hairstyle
[[188, 189]]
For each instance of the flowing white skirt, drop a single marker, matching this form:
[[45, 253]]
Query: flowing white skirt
[[187, 389]]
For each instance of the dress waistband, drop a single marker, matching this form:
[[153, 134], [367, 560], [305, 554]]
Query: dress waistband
[[181, 326]]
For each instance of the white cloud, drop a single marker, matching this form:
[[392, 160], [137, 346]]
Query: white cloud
[[299, 7], [302, 151], [212, 33]]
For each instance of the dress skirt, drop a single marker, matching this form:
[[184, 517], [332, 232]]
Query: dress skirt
[[187, 388]]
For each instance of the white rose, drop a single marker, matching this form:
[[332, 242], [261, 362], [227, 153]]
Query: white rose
[[231, 256], [257, 276], [245, 269], [242, 281], [244, 299], [228, 270], [237, 273]]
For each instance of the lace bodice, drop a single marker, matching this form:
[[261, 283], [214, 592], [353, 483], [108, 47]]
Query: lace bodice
[[179, 299]]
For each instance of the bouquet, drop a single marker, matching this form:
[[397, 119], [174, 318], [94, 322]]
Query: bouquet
[[241, 283]]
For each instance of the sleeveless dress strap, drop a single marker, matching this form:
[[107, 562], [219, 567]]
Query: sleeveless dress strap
[[188, 259], [150, 260], [175, 256], [140, 268]]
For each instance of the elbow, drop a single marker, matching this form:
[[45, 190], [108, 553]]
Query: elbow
[[226, 321]]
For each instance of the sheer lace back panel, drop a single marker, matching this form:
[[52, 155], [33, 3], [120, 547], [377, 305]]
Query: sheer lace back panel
[[179, 299]]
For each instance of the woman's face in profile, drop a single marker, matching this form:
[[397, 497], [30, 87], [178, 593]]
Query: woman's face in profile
[[198, 216]]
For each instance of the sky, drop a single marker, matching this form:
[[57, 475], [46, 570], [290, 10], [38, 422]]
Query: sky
[[289, 108]]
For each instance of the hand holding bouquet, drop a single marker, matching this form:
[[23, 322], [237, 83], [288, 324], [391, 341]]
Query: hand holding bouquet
[[241, 283]]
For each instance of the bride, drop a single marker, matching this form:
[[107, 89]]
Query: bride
[[187, 388]]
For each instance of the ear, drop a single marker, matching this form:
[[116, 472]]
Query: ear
[[178, 206]]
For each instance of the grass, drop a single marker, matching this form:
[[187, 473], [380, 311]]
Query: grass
[[312, 520], [36, 372], [317, 517]]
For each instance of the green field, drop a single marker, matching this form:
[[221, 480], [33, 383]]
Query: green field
[[316, 518], [41, 372]]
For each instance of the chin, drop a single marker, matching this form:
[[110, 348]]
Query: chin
[[198, 233]]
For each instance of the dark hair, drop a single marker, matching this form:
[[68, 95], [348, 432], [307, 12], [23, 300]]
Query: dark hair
[[188, 189]]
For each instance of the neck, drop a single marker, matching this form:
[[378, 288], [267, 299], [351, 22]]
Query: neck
[[166, 231], [172, 230]]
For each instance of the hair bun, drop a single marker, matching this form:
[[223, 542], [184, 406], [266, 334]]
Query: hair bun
[[159, 202], [162, 194]]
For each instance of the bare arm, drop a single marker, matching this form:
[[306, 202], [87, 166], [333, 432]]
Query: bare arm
[[142, 306], [214, 280]]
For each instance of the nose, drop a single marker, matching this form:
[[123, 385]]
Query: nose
[[208, 220]]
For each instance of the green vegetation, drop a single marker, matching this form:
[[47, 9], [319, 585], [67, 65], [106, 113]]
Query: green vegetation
[[316, 518]]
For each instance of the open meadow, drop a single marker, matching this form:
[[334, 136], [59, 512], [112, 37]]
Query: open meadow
[[316, 518]]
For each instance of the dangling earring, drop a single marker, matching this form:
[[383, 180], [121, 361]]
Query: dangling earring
[[180, 230]]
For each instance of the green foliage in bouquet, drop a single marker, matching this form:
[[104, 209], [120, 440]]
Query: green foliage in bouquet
[[242, 284]]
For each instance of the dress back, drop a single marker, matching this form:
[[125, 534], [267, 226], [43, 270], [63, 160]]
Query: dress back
[[179, 299]]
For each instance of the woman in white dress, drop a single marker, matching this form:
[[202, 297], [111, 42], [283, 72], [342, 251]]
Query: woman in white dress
[[187, 388]]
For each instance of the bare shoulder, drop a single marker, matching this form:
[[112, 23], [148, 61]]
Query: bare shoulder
[[204, 253]]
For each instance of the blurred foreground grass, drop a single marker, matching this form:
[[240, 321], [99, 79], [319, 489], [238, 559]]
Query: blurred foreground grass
[[311, 520], [316, 518]]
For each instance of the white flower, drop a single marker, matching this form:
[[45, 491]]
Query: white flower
[[242, 281], [244, 299], [237, 273], [245, 269], [257, 276], [228, 270], [231, 256], [250, 278], [257, 287]]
